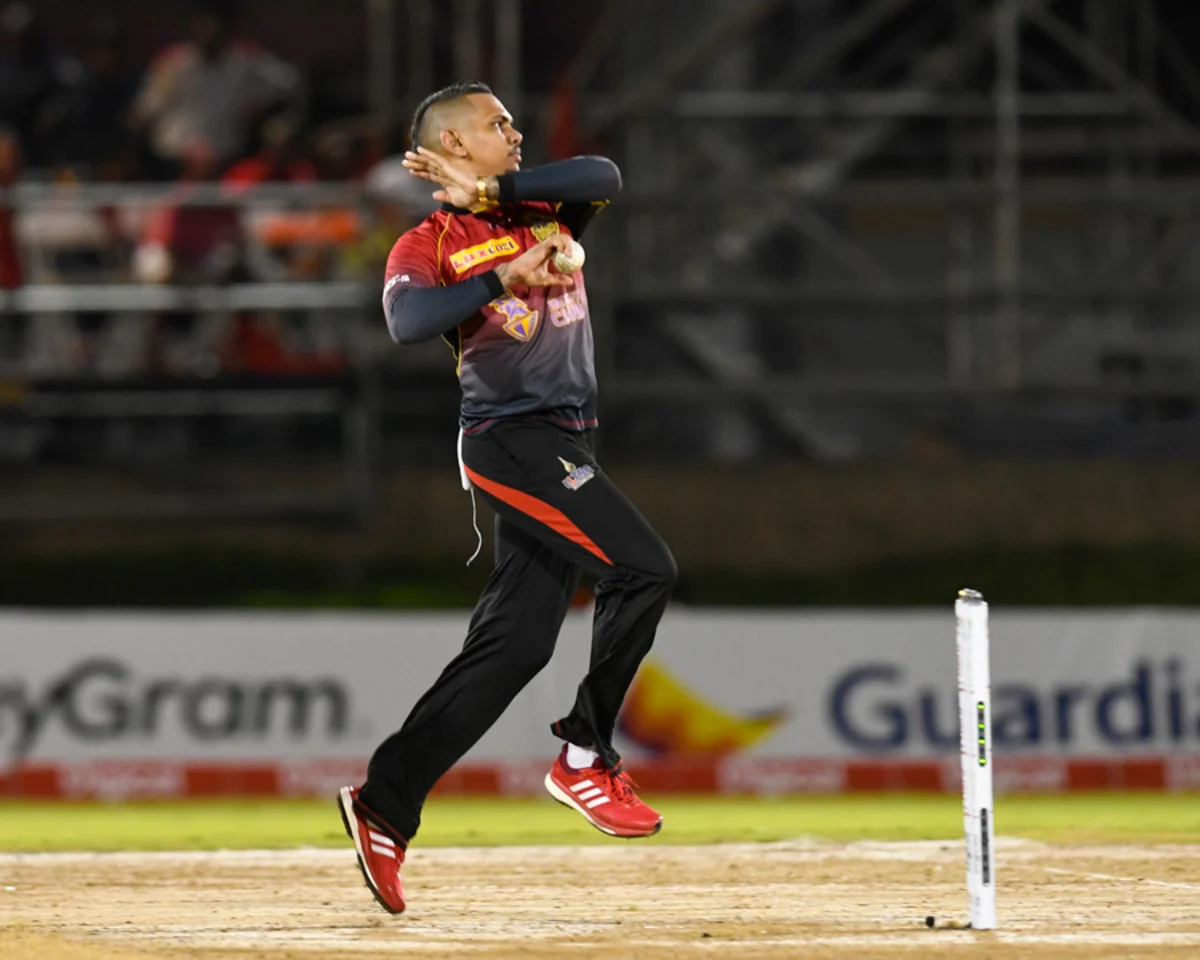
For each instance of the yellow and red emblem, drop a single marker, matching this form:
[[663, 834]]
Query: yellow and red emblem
[[663, 716]]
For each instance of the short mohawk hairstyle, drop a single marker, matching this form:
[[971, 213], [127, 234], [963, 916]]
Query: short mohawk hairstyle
[[453, 92]]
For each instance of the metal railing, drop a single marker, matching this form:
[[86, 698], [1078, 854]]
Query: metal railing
[[869, 329], [48, 387]]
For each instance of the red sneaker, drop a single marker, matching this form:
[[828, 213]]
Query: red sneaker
[[379, 855], [604, 797]]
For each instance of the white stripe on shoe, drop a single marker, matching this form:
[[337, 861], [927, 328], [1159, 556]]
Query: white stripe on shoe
[[377, 837], [347, 802], [582, 786], [386, 851], [566, 799], [594, 792]]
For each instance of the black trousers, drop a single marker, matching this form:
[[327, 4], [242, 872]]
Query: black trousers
[[556, 514]]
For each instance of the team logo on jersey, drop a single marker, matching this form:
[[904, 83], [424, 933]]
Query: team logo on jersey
[[483, 252], [543, 229], [576, 476], [522, 319]]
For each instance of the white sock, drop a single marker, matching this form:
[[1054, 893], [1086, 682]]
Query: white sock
[[580, 758]]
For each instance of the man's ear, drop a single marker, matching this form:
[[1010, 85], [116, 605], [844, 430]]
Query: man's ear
[[452, 143]]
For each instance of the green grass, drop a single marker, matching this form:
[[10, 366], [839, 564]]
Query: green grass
[[1088, 818]]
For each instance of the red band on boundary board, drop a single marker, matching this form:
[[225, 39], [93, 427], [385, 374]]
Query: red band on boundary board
[[729, 776]]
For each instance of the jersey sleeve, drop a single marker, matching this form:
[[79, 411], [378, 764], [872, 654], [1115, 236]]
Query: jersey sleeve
[[413, 262], [416, 304]]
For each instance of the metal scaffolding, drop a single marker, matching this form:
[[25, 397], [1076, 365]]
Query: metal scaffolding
[[900, 200]]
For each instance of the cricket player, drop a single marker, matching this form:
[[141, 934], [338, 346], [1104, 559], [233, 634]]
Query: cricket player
[[479, 273]]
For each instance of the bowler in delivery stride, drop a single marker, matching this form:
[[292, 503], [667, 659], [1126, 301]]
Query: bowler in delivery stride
[[480, 272]]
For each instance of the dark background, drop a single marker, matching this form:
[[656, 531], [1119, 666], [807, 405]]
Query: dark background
[[864, 333]]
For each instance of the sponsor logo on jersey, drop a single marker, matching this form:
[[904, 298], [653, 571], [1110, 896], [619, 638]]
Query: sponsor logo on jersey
[[483, 252], [576, 476], [522, 319], [569, 308]]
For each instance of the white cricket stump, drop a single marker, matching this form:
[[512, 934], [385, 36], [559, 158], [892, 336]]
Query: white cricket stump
[[975, 731]]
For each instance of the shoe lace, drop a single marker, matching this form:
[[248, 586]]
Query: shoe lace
[[621, 784]]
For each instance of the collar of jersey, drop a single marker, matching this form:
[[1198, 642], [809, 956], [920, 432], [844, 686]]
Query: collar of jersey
[[468, 211]]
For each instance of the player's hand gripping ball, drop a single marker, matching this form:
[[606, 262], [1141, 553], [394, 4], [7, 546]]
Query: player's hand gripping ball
[[571, 259]]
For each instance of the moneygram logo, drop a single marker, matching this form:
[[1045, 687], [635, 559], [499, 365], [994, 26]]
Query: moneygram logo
[[102, 700]]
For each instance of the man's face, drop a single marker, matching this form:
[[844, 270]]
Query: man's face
[[209, 33], [486, 133]]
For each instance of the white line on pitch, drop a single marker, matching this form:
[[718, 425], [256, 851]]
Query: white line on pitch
[[1107, 876], [929, 938]]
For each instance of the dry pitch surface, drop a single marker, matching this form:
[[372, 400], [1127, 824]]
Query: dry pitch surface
[[809, 899]]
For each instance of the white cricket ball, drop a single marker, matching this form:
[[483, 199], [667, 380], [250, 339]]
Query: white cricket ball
[[570, 260]]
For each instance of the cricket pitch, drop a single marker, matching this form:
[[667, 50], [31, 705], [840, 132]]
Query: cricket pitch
[[810, 898]]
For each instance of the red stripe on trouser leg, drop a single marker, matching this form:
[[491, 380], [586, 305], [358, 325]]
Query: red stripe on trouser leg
[[541, 511]]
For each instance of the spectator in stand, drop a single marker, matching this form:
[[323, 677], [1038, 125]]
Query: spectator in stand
[[333, 154], [30, 78], [390, 180], [278, 159], [192, 243], [291, 242], [211, 89], [395, 200]]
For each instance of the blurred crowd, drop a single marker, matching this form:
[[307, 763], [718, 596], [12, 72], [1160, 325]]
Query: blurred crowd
[[212, 101], [211, 118]]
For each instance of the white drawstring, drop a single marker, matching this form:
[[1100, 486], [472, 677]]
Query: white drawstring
[[475, 524], [466, 485]]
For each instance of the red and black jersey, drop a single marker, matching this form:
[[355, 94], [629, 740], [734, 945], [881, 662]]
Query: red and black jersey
[[527, 350]]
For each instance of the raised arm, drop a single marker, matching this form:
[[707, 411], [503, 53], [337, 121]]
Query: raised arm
[[578, 180]]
